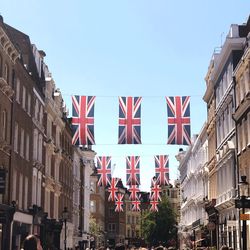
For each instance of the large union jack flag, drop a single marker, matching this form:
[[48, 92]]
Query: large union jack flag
[[119, 202], [136, 205], [133, 170], [178, 109], [129, 120], [104, 170], [134, 192], [83, 120], [162, 170], [155, 193], [113, 189]]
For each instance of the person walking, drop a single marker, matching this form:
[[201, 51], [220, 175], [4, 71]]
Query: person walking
[[32, 242]]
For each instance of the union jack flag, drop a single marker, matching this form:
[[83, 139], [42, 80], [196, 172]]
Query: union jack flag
[[129, 120], [162, 169], [113, 189], [133, 170], [136, 205], [154, 206], [134, 192], [119, 203], [83, 120], [178, 109], [155, 193], [104, 170]]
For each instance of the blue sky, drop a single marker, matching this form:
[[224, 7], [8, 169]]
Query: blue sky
[[117, 48]]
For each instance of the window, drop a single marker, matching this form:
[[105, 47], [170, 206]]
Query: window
[[24, 98], [56, 207], [16, 138], [6, 73], [92, 207], [20, 197], [25, 204], [27, 147], [48, 165], [112, 227], [57, 171], [39, 186], [22, 143], [4, 125], [111, 211], [40, 147], [29, 103], [244, 133], [246, 80], [35, 142], [18, 90], [128, 219], [41, 114], [36, 110], [14, 185], [47, 202], [34, 185]]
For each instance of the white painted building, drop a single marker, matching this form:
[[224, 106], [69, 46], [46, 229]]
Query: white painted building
[[83, 168], [194, 190], [221, 77], [88, 161]]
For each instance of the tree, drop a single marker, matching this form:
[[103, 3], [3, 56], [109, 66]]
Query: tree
[[159, 227], [93, 227]]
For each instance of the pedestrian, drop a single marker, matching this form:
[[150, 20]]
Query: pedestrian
[[39, 245], [224, 247], [31, 242]]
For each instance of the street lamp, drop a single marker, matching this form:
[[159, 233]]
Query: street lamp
[[243, 192], [65, 216]]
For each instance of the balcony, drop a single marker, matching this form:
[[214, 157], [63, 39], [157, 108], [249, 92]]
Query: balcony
[[226, 199]]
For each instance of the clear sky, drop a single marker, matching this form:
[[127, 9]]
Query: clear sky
[[111, 48]]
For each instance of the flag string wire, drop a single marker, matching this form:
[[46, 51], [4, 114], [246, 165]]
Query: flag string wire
[[115, 96]]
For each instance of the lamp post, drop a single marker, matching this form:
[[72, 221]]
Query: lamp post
[[65, 215], [243, 188]]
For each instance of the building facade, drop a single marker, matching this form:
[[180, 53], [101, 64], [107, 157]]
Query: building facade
[[115, 222], [242, 111], [8, 58], [194, 192], [97, 209], [220, 79], [133, 224]]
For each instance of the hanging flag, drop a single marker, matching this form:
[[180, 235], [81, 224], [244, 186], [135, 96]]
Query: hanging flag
[[154, 206], [161, 170], [113, 189], [129, 120], [83, 120], [134, 192], [136, 205], [119, 203], [178, 109], [104, 170], [133, 170], [155, 193]]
